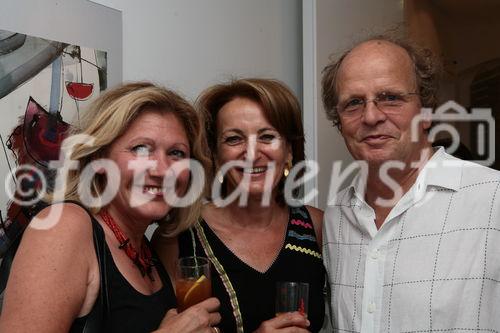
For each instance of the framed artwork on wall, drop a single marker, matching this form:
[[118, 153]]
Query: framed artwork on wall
[[44, 87]]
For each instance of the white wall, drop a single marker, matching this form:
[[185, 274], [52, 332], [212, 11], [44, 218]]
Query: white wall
[[337, 25], [188, 45]]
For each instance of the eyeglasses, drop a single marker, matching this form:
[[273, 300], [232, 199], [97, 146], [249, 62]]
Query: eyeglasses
[[386, 102]]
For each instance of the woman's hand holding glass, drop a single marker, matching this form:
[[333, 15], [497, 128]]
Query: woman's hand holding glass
[[192, 281], [199, 318], [292, 300], [197, 311], [290, 322]]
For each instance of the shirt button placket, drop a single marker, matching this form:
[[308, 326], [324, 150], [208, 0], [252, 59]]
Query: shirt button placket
[[371, 307], [370, 291]]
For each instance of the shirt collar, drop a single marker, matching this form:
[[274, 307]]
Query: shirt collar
[[442, 170], [358, 186]]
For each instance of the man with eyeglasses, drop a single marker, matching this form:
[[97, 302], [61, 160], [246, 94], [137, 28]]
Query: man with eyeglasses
[[413, 243]]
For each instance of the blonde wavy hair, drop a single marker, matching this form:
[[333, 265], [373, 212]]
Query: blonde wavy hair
[[109, 116]]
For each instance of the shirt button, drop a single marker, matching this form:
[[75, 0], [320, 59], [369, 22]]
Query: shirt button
[[371, 307], [375, 254]]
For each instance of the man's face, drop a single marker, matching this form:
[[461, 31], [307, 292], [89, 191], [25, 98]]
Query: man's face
[[376, 134]]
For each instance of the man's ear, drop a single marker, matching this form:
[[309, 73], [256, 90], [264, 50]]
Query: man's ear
[[339, 127], [426, 120], [426, 124]]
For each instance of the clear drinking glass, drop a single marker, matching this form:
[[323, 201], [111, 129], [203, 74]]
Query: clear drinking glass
[[192, 283], [292, 296]]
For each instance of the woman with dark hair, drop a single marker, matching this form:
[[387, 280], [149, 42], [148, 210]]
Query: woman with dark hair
[[256, 136]]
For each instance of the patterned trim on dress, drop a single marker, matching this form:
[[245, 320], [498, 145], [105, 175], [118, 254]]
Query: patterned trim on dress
[[233, 298], [299, 211], [296, 235], [303, 250], [301, 223]]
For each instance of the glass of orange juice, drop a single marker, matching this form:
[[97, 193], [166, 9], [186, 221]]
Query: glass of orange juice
[[192, 284]]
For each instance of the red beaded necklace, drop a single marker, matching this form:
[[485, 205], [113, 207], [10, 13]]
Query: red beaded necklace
[[143, 260]]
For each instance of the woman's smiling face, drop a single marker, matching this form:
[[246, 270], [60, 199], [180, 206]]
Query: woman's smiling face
[[153, 137], [244, 134]]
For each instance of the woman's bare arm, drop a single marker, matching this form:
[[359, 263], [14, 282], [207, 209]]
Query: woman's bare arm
[[54, 276]]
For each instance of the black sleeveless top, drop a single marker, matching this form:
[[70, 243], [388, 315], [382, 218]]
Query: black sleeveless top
[[299, 260], [130, 311]]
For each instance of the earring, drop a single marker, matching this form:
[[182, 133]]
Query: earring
[[288, 166], [220, 177]]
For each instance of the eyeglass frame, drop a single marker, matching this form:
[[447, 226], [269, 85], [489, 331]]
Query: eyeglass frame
[[376, 101]]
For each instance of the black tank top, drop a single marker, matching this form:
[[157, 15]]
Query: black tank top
[[131, 311], [299, 260]]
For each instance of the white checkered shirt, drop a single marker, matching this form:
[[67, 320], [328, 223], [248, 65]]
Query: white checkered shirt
[[433, 266]]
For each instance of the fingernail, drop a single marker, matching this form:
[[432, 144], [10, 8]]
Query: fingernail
[[308, 322]]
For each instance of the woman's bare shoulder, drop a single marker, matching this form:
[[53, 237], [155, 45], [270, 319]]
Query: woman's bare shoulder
[[51, 270], [61, 219], [316, 214]]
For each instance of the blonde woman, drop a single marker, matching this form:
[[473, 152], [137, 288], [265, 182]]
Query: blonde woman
[[56, 282]]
